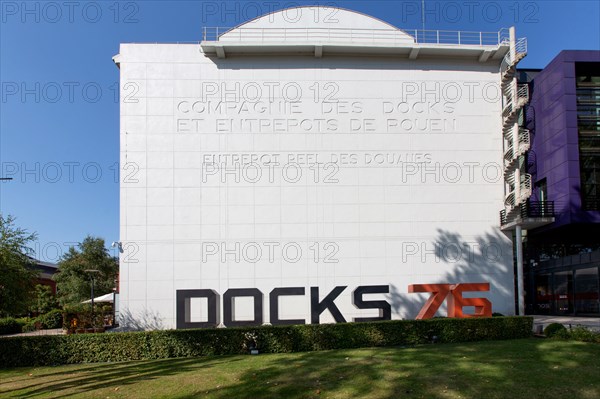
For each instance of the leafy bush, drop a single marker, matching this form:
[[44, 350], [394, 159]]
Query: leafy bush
[[9, 325], [22, 321], [32, 325], [579, 333], [79, 316], [43, 300], [554, 328], [112, 347], [52, 319]]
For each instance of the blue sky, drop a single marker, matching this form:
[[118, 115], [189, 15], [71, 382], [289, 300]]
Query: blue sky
[[59, 119]]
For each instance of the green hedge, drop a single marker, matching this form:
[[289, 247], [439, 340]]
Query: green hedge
[[113, 347], [9, 325], [52, 319]]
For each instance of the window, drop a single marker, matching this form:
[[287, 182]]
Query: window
[[588, 122]]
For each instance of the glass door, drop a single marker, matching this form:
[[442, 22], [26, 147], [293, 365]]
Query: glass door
[[543, 294], [586, 291], [563, 292]]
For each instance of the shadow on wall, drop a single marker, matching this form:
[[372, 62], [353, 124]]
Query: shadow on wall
[[404, 304], [486, 259], [140, 321]]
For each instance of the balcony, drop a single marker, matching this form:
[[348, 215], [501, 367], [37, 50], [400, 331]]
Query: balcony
[[537, 209], [396, 36], [318, 39], [528, 215]]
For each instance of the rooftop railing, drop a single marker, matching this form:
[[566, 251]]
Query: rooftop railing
[[388, 36]]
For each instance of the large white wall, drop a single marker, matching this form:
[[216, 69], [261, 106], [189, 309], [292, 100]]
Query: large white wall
[[380, 223]]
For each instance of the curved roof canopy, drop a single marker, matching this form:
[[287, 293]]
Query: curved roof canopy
[[323, 30], [316, 23]]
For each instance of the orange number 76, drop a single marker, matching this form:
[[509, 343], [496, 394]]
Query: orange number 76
[[456, 302]]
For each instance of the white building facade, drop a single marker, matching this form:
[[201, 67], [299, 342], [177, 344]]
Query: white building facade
[[308, 167]]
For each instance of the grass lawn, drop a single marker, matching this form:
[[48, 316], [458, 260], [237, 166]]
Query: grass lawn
[[528, 368]]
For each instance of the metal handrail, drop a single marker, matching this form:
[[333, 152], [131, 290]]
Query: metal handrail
[[521, 46], [503, 218], [531, 209], [524, 192], [439, 37], [523, 91], [525, 189], [510, 199], [524, 141], [510, 179], [520, 52], [522, 97], [509, 153]]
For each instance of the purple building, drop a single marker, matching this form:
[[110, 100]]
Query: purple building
[[562, 254]]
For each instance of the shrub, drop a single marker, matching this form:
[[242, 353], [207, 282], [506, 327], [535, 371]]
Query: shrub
[[553, 329], [32, 325], [52, 319], [112, 347], [23, 320], [9, 325], [580, 333], [79, 316]]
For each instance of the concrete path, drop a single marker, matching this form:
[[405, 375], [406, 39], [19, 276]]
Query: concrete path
[[54, 331], [593, 323]]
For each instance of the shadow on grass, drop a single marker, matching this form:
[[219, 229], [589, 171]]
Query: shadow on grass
[[87, 379], [508, 369], [499, 369]]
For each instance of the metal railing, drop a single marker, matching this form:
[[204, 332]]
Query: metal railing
[[390, 36], [509, 153], [520, 52], [515, 102], [525, 189], [516, 197], [523, 92], [510, 199], [531, 209], [510, 179], [524, 141], [537, 209], [503, 217], [521, 46]]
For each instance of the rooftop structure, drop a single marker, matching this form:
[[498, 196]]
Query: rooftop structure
[[349, 32]]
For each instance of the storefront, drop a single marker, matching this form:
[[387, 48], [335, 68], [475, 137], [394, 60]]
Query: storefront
[[566, 286]]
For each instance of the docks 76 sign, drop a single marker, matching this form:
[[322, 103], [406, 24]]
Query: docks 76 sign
[[451, 293]]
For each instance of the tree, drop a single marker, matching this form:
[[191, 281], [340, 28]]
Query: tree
[[16, 279], [43, 299], [73, 282]]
